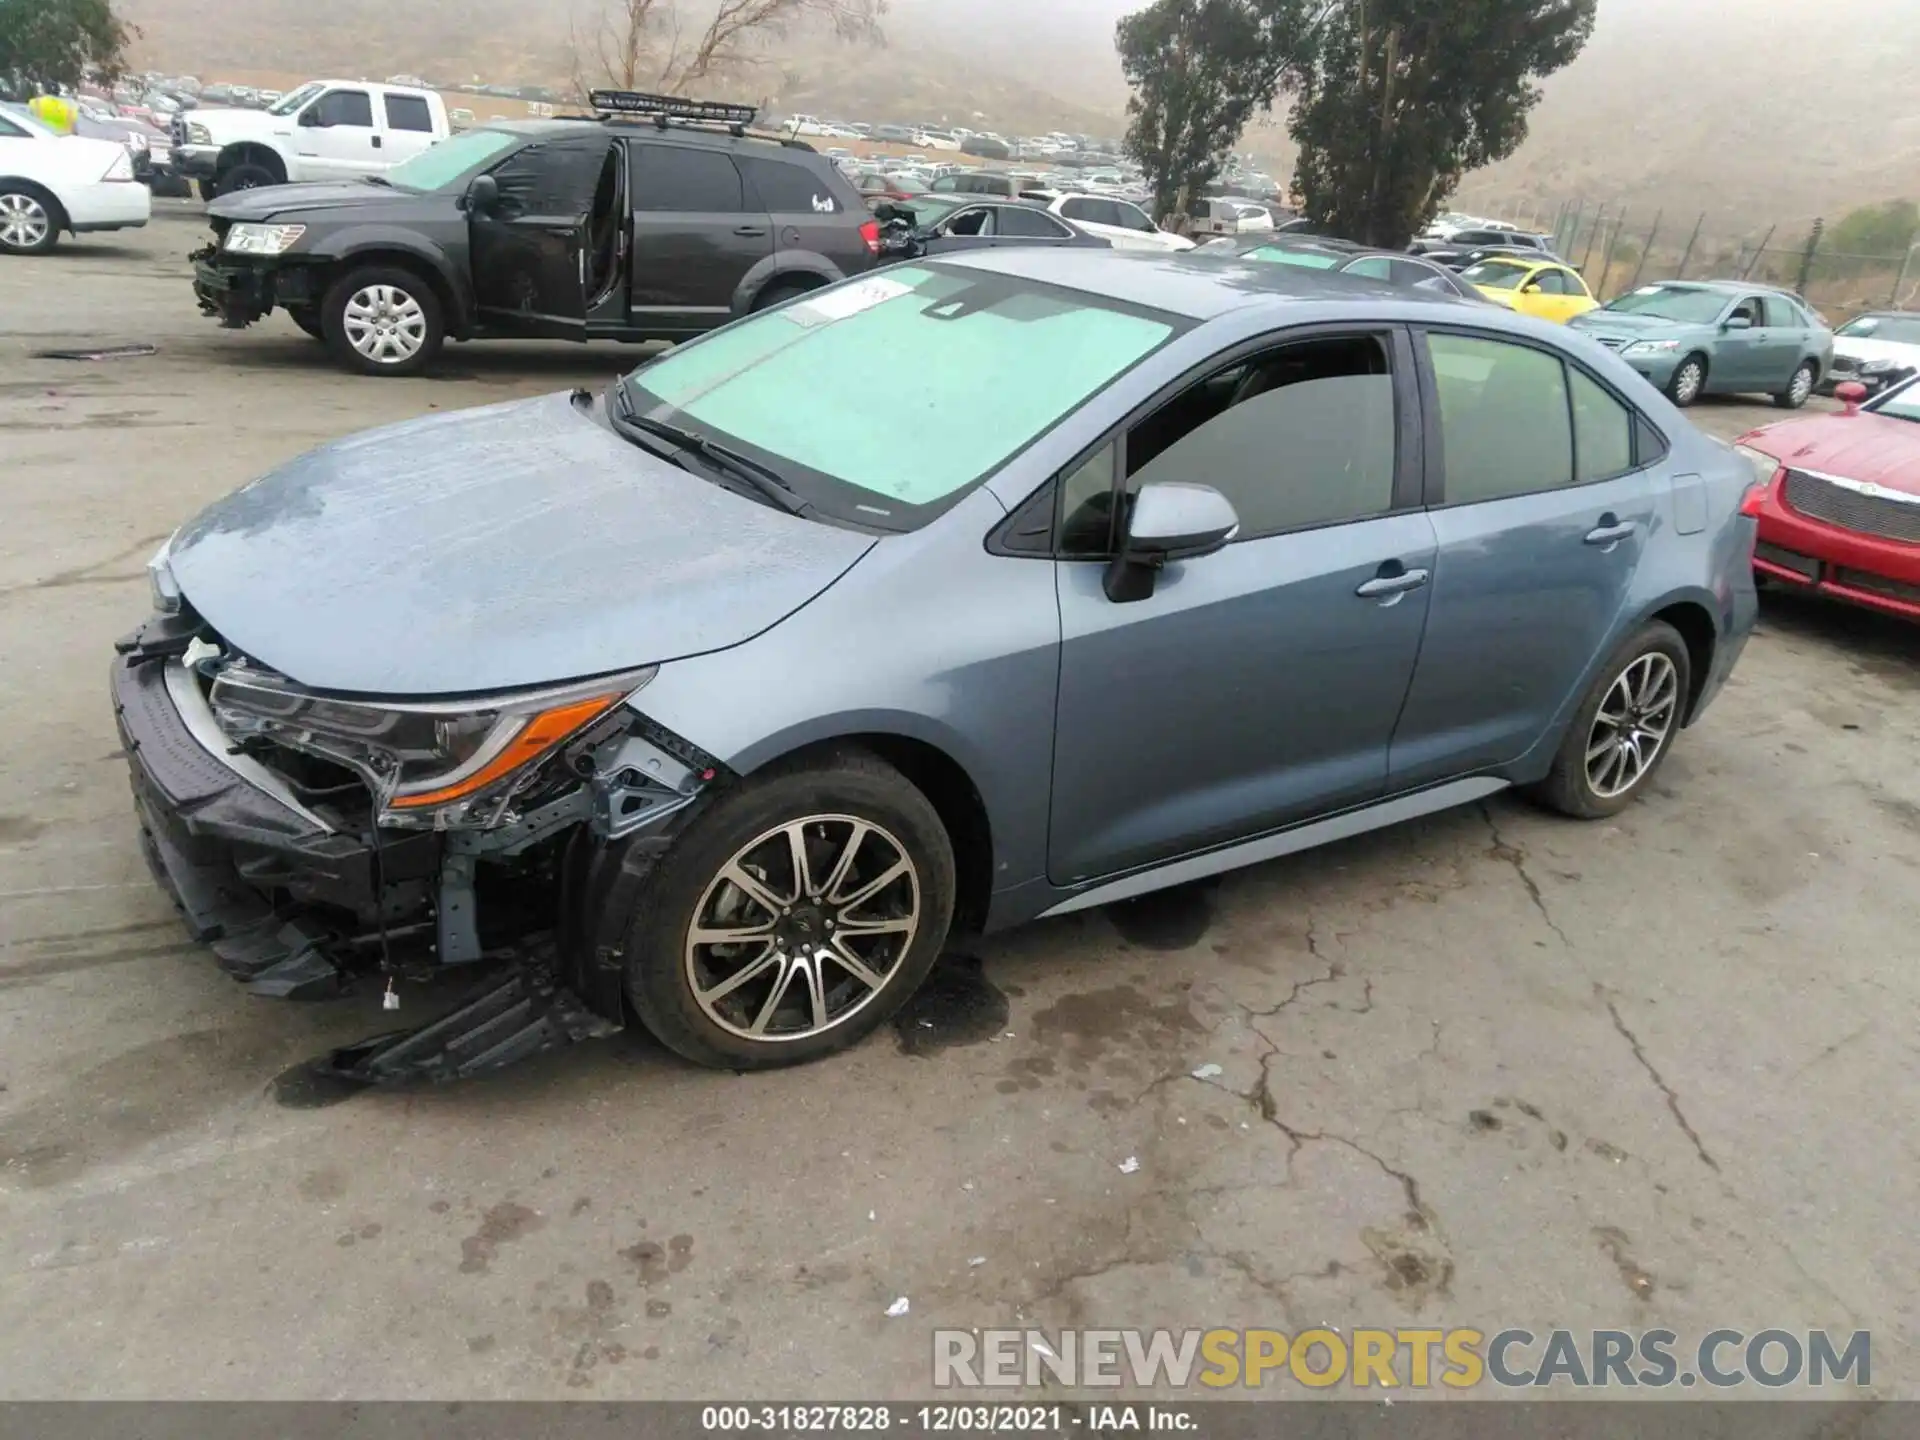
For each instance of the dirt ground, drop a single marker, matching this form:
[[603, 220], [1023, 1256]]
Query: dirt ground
[[1495, 1068]]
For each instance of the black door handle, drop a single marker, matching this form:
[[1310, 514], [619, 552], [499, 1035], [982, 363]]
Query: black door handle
[[376, 142], [752, 231], [1611, 531]]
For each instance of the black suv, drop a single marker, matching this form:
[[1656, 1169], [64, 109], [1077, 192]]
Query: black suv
[[657, 220]]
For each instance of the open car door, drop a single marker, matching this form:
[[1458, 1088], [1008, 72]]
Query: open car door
[[546, 236]]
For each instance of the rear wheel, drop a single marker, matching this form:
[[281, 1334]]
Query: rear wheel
[[383, 320], [781, 291], [29, 220], [1798, 388], [1689, 381], [792, 918], [1623, 729]]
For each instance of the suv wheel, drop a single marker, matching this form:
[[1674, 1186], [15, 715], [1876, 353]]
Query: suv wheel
[[793, 917], [383, 321], [245, 176], [29, 221], [1623, 729], [781, 291]]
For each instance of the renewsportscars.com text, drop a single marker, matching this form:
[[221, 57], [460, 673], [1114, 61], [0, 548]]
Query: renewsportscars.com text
[[1370, 1359]]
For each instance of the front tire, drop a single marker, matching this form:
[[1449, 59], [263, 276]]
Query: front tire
[[246, 176], [794, 917], [383, 320], [1624, 727], [30, 220], [1688, 381], [1798, 388]]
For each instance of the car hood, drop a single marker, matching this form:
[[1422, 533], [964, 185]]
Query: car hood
[[1874, 449], [272, 201], [1861, 347], [492, 549], [1637, 327]]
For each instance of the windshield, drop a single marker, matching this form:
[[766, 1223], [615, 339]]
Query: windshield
[[1900, 329], [1684, 303], [1494, 274], [882, 400], [1902, 403], [27, 118], [1303, 259], [446, 162], [294, 99]]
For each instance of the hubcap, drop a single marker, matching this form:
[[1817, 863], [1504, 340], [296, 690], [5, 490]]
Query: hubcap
[[1688, 386], [802, 928], [385, 324], [1802, 385], [1632, 726], [23, 221]]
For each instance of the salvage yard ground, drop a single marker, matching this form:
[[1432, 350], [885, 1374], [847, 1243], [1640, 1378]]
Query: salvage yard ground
[[1495, 1068]]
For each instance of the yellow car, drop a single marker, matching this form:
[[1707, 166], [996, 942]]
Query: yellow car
[[1540, 288]]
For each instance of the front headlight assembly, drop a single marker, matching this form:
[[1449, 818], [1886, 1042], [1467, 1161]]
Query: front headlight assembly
[[432, 765], [199, 135], [263, 239], [1652, 347]]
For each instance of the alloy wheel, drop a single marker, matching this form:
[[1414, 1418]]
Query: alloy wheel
[[1801, 387], [802, 928], [23, 221], [385, 324], [1632, 725]]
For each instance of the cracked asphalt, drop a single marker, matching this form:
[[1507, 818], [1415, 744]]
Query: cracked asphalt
[[1494, 1068]]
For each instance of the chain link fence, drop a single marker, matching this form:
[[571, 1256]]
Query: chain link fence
[[1617, 247]]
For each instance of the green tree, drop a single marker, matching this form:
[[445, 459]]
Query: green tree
[[1199, 70], [47, 44], [1395, 100], [1877, 230]]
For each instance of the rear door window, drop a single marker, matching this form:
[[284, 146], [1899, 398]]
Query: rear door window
[[1602, 431], [1019, 220], [1505, 421], [677, 177], [409, 112]]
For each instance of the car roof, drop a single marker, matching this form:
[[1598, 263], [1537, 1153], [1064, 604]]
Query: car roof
[[678, 134], [1194, 284]]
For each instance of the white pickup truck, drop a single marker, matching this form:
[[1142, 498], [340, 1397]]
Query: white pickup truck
[[325, 130]]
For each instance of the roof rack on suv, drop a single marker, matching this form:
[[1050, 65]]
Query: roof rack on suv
[[666, 110]]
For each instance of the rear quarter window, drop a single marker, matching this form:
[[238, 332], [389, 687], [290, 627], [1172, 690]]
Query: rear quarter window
[[784, 188]]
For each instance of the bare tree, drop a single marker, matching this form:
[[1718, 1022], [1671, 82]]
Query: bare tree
[[650, 45]]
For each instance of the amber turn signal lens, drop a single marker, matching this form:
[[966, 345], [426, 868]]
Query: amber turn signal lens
[[539, 735]]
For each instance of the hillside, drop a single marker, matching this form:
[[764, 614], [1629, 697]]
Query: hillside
[[1753, 110]]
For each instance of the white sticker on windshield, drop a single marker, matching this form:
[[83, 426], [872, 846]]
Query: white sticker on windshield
[[845, 300], [1649, 290]]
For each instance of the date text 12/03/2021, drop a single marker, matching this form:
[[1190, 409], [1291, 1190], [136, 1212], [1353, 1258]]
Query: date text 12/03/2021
[[945, 1419]]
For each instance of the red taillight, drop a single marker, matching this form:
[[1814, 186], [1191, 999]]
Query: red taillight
[[870, 232], [1756, 497]]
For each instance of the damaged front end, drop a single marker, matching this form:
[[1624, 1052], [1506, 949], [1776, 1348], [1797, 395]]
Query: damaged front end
[[313, 839], [239, 286]]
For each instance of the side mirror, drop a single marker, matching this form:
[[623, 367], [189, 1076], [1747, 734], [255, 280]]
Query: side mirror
[[310, 119], [1737, 322], [1532, 287], [1170, 521], [483, 193]]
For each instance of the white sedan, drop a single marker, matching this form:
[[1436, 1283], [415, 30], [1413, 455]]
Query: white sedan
[[1120, 221], [50, 183]]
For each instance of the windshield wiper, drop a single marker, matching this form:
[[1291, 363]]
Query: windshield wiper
[[762, 479]]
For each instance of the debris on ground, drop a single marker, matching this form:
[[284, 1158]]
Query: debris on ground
[[105, 352], [1130, 1164], [898, 1308], [976, 1262], [1209, 1072]]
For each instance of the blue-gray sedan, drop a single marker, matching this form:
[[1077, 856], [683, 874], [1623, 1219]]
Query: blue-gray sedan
[[969, 591]]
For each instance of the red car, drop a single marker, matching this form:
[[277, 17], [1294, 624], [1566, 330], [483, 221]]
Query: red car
[[1839, 509]]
